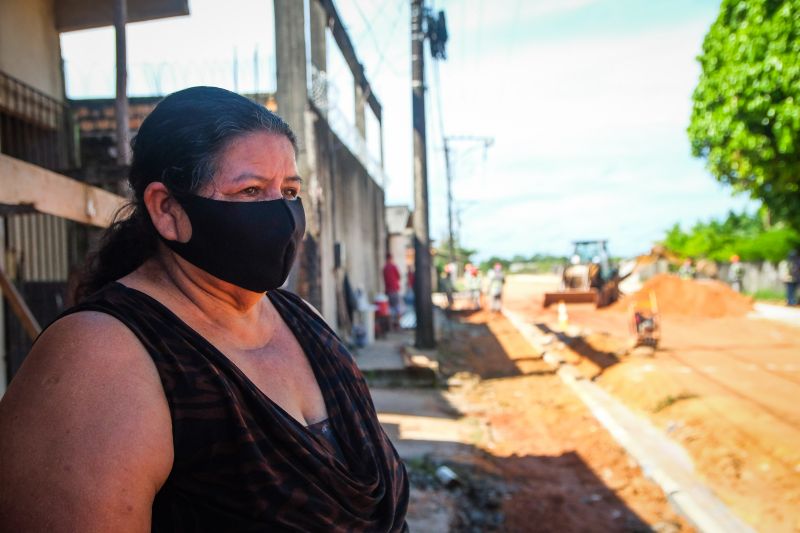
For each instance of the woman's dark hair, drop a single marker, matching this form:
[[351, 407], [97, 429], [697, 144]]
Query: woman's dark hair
[[178, 144]]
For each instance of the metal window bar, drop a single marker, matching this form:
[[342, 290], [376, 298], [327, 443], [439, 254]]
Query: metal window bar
[[34, 126], [323, 94]]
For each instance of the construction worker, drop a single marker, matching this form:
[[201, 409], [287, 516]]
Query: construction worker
[[496, 281], [736, 274], [686, 271], [473, 280]]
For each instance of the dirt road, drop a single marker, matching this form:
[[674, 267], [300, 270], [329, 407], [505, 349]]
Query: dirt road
[[509, 423], [725, 388]]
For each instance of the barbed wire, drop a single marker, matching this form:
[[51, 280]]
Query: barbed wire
[[156, 78]]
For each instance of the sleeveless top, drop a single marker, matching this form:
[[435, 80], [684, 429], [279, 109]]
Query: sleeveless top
[[241, 462]]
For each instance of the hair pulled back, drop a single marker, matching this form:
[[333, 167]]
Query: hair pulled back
[[178, 144]]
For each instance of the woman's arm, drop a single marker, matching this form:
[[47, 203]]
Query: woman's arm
[[85, 432]]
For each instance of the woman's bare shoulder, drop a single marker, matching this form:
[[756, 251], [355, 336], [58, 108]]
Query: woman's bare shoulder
[[85, 430]]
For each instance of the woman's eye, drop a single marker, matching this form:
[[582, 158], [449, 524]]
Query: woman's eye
[[250, 191], [290, 193]]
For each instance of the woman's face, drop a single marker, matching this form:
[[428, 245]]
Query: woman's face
[[255, 167]]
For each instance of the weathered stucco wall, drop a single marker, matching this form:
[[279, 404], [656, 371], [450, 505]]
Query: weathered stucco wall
[[349, 206], [29, 46]]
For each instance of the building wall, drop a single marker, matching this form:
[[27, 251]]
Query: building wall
[[359, 223], [29, 45], [349, 206]]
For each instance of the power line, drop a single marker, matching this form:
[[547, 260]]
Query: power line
[[368, 28], [382, 53], [367, 23]]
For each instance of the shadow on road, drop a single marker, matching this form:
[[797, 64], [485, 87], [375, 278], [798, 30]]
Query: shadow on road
[[600, 358], [519, 493], [528, 455]]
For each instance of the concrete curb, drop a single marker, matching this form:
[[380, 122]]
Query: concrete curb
[[778, 313], [660, 458], [421, 364]]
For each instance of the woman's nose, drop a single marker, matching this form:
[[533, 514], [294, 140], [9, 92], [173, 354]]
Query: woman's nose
[[273, 193]]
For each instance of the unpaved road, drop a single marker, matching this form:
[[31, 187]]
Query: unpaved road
[[728, 389], [508, 420]]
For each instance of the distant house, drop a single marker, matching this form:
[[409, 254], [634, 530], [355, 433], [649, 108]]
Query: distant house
[[44, 216]]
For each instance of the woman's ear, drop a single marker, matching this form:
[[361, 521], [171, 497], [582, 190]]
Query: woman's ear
[[168, 216]]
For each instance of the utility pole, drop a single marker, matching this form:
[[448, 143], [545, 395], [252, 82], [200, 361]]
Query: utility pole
[[235, 70], [121, 101], [422, 248], [449, 199], [447, 139]]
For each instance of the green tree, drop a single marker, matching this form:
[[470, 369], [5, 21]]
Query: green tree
[[746, 113], [442, 255], [742, 234]]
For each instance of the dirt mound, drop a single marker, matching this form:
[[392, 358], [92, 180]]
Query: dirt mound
[[676, 296]]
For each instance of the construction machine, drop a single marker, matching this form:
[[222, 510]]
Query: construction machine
[[588, 278], [645, 322]]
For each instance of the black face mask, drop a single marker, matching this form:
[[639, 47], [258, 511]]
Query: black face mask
[[249, 244]]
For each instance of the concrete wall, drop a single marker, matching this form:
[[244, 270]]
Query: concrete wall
[[757, 277], [358, 205], [29, 46], [359, 224], [349, 206]]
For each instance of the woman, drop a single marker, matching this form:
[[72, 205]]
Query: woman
[[177, 396]]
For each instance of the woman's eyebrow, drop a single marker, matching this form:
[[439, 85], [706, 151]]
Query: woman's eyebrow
[[249, 176]]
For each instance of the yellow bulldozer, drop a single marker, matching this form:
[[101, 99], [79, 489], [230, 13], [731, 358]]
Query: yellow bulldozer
[[588, 277]]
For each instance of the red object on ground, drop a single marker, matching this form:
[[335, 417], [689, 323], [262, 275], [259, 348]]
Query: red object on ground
[[391, 278], [382, 308]]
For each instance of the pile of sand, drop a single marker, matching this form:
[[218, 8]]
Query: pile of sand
[[681, 297]]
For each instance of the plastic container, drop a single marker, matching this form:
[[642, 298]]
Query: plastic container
[[368, 318], [382, 305]]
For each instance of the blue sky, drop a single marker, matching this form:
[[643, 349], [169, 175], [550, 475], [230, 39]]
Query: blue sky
[[587, 102]]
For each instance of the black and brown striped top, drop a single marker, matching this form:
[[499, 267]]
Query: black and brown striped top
[[241, 462]]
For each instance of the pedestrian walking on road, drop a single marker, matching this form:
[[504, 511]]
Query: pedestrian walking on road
[[474, 281], [496, 281], [186, 391], [789, 271], [736, 274], [446, 284]]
